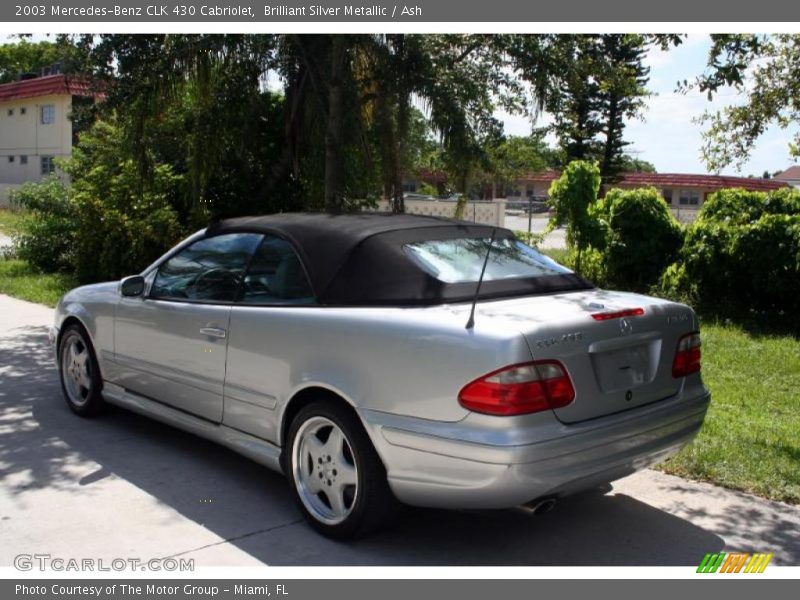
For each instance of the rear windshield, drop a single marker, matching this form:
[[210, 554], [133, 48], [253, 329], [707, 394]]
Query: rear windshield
[[460, 260]]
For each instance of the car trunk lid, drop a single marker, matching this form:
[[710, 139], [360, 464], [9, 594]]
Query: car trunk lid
[[617, 360]]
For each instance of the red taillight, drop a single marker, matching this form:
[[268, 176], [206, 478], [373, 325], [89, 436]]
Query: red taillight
[[687, 356], [618, 314], [519, 389]]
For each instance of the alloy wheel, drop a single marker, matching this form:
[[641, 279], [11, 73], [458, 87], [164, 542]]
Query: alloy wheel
[[324, 470]]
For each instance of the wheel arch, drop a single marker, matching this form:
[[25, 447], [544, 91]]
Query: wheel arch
[[305, 396]]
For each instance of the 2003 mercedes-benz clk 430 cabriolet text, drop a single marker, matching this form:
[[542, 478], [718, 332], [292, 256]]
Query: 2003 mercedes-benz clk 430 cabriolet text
[[377, 358]]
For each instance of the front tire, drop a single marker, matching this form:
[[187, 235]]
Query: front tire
[[336, 477], [79, 373]]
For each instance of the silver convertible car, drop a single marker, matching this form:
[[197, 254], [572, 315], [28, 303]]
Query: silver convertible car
[[387, 359]]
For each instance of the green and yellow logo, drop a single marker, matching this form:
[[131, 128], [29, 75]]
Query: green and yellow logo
[[734, 562]]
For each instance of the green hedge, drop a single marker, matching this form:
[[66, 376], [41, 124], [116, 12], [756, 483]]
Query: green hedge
[[634, 237], [742, 254]]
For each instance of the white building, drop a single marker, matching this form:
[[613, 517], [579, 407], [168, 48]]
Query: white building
[[35, 127], [790, 176]]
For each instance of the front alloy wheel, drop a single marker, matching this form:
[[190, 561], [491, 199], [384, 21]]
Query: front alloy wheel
[[80, 378]]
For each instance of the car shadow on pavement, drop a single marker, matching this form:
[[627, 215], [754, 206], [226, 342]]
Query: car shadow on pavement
[[43, 445]]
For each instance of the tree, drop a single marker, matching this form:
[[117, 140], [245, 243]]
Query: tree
[[199, 104], [765, 71], [623, 79], [31, 57], [602, 85], [510, 158], [591, 85], [576, 105], [636, 165], [571, 196]]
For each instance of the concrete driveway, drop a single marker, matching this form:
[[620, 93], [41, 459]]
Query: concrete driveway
[[555, 239], [124, 486]]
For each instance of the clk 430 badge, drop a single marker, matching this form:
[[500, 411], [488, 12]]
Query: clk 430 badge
[[566, 338], [679, 318]]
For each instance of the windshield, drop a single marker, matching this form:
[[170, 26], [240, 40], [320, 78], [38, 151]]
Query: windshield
[[460, 260]]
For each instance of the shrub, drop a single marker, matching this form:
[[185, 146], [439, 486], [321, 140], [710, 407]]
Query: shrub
[[742, 254], [111, 222], [571, 195], [47, 231], [642, 237], [123, 227]]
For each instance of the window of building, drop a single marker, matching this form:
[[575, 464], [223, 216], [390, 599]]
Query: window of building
[[23, 159], [689, 198], [48, 165], [48, 114], [410, 186], [10, 112], [11, 158], [23, 110], [667, 194]]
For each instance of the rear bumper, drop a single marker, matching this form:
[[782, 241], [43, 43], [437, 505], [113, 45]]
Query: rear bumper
[[434, 468]]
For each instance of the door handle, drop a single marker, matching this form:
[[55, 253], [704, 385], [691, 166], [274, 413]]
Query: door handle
[[215, 332]]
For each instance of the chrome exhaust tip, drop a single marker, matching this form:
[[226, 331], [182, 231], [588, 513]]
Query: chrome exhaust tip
[[537, 507]]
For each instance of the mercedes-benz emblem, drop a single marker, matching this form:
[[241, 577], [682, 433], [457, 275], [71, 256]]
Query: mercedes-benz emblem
[[625, 327]]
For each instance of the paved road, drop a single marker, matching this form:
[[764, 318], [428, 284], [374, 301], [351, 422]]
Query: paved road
[[124, 486], [556, 239]]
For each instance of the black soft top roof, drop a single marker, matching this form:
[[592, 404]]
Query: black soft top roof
[[358, 259]]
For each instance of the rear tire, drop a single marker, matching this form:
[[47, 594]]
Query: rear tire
[[79, 372], [336, 477]]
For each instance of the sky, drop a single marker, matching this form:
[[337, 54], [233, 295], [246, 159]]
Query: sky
[[667, 136]]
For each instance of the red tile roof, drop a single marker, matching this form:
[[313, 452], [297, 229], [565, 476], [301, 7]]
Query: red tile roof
[[677, 180], [44, 86], [790, 173], [705, 181]]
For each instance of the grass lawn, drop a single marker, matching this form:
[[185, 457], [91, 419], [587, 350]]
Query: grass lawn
[[750, 439], [19, 280], [9, 221]]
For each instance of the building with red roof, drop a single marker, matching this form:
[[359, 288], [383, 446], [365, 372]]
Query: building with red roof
[[35, 126], [684, 192]]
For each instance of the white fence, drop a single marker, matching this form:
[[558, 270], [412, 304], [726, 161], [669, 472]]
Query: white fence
[[488, 212], [684, 215]]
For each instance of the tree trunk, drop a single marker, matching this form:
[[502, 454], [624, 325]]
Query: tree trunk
[[399, 205], [607, 169], [387, 148], [403, 101], [334, 165]]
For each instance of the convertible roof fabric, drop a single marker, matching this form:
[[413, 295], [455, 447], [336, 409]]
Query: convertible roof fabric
[[358, 259]]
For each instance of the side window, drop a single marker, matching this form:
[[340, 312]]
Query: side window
[[276, 276], [209, 270]]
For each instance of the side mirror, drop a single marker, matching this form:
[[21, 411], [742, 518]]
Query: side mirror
[[132, 286]]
